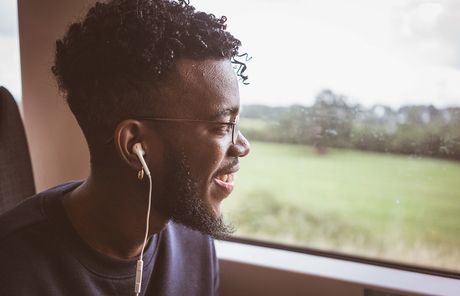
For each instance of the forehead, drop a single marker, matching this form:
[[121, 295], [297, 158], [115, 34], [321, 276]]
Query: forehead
[[203, 89]]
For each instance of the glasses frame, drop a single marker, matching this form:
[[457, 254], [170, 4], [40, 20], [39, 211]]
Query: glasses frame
[[233, 124]]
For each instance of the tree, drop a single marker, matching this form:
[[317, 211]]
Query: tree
[[332, 120]]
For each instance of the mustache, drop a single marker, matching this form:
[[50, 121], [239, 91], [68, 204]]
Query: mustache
[[228, 167]]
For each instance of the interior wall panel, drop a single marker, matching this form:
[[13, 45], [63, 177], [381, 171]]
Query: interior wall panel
[[57, 146]]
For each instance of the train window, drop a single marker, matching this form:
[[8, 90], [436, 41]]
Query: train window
[[10, 72], [353, 115]]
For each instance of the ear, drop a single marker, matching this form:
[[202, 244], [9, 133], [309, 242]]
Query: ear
[[128, 133]]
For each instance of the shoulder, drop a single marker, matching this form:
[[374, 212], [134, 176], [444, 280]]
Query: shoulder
[[29, 214], [26, 214], [28, 246]]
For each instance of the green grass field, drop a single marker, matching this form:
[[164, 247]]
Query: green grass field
[[391, 207]]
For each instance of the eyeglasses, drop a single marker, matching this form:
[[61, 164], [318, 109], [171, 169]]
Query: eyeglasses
[[234, 125]]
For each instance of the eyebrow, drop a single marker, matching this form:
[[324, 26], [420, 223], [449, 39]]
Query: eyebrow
[[225, 112]]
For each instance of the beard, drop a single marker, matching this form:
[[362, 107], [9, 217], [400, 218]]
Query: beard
[[180, 199]]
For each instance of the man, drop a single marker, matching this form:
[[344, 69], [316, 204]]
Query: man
[[156, 73]]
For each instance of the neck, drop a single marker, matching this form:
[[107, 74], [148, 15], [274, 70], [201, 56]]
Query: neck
[[109, 212]]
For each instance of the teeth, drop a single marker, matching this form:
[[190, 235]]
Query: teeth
[[230, 178], [226, 178]]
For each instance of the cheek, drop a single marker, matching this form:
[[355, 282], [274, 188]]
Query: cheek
[[206, 161]]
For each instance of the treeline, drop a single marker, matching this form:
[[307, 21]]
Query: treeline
[[332, 122]]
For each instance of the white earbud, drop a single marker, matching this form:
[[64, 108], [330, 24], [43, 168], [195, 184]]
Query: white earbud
[[137, 148]]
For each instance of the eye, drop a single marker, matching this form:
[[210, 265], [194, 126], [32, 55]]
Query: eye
[[222, 129]]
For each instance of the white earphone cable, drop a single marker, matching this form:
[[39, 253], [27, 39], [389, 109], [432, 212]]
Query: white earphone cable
[[140, 263]]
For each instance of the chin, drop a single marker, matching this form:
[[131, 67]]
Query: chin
[[215, 208], [214, 199]]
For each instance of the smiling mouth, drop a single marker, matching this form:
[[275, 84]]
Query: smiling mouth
[[225, 182]]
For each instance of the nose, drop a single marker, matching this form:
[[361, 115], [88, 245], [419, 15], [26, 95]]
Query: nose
[[241, 148]]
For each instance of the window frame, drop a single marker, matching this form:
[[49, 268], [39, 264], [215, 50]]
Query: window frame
[[345, 257], [335, 269]]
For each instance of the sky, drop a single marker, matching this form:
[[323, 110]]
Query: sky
[[391, 52]]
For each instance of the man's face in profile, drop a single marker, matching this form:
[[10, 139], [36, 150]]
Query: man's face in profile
[[200, 160]]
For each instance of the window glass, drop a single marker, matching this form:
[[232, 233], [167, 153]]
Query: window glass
[[10, 69], [353, 114]]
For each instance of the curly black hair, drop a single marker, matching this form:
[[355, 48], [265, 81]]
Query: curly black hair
[[107, 64]]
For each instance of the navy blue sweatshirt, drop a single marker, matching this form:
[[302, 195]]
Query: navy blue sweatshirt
[[42, 254]]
